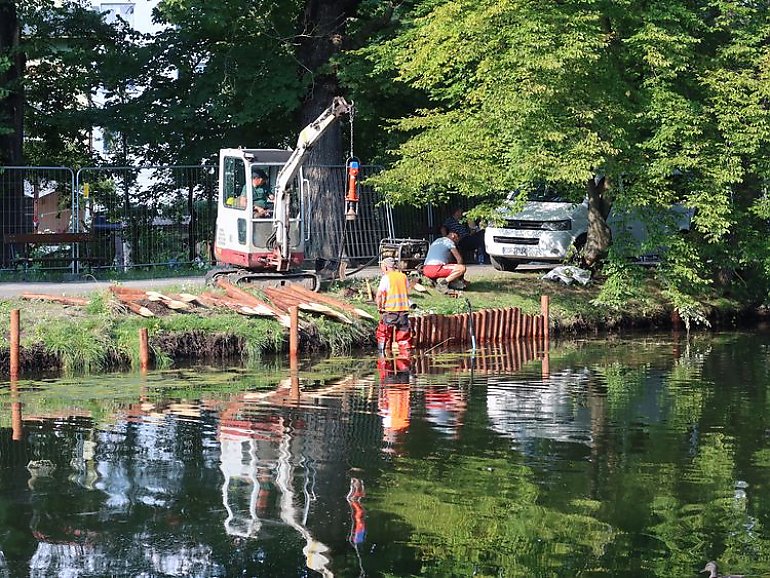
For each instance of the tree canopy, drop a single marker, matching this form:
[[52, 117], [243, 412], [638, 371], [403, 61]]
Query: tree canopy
[[634, 105], [667, 98]]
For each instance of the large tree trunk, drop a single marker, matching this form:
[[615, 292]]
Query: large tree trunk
[[11, 106], [599, 235], [11, 119], [324, 24]]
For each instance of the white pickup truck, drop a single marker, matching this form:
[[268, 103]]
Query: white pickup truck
[[549, 227]]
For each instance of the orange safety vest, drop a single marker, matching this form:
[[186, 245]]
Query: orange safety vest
[[397, 298]]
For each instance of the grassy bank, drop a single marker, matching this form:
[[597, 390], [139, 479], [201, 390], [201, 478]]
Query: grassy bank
[[103, 334]]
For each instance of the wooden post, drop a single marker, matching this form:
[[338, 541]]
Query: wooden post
[[15, 340], [144, 349], [545, 367], [294, 391], [545, 307], [17, 431], [293, 330]]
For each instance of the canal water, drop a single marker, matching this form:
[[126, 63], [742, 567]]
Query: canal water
[[613, 458]]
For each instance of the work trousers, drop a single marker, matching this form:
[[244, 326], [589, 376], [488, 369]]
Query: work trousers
[[394, 324]]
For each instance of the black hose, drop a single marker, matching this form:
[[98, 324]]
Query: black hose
[[471, 328]]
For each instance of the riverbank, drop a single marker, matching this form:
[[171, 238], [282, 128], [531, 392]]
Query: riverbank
[[102, 334]]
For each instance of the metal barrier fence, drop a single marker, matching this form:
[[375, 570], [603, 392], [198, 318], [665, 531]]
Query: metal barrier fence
[[35, 200], [326, 216], [145, 216], [118, 218]]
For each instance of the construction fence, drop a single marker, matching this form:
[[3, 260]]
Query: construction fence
[[98, 219]]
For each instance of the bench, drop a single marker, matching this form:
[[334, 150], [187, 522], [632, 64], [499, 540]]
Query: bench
[[22, 242]]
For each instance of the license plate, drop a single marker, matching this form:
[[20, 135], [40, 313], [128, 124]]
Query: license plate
[[514, 251]]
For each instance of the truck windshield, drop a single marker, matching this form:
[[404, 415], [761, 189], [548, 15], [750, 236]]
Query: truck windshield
[[542, 193]]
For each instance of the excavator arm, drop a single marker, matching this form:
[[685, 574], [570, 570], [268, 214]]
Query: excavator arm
[[307, 138]]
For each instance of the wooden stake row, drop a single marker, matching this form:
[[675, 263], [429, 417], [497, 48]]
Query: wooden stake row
[[488, 325], [496, 359]]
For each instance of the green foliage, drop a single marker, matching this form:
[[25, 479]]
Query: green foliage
[[5, 64], [622, 285], [669, 100], [473, 515]]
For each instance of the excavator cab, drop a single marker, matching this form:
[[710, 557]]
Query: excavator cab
[[245, 235], [268, 245]]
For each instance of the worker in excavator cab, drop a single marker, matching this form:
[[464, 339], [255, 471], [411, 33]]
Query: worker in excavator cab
[[393, 303], [260, 190]]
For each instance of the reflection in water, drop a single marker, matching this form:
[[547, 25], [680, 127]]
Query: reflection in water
[[393, 402], [357, 534], [555, 409], [623, 459]]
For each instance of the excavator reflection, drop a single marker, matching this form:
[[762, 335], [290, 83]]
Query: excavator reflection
[[259, 464]]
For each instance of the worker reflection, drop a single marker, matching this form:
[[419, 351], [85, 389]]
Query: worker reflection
[[393, 403], [357, 513], [264, 493], [445, 407]]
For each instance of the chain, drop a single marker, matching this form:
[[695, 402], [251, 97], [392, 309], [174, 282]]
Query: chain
[[350, 115]]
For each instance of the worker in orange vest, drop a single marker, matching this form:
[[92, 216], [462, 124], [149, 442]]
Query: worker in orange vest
[[393, 303]]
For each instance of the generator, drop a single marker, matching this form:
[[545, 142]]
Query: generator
[[408, 253]]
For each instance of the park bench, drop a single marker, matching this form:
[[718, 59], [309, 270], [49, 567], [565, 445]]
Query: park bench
[[23, 243]]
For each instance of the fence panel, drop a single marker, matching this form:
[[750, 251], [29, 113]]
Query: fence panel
[[36, 200], [148, 215], [361, 236], [144, 216]]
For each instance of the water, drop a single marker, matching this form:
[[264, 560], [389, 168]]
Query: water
[[629, 457]]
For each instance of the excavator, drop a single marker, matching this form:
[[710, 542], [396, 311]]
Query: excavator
[[260, 230]]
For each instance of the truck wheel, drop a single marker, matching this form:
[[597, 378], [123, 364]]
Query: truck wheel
[[503, 264]]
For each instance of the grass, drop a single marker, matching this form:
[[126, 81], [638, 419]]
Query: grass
[[103, 336]]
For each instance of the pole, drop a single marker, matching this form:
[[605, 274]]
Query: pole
[[293, 331], [545, 310], [15, 340], [144, 349], [471, 328]]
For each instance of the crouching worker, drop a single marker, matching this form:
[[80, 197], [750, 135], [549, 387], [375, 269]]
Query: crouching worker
[[393, 303], [438, 265]]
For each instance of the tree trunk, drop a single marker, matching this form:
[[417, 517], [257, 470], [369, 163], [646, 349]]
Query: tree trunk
[[599, 235], [323, 23], [11, 105], [11, 119]]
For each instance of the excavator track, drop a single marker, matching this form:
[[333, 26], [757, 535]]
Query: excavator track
[[264, 279]]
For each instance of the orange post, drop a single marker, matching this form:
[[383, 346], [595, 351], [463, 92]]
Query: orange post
[[15, 341], [293, 330], [144, 349], [294, 378], [16, 422], [545, 309]]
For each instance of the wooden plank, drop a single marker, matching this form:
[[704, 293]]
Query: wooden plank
[[326, 300], [244, 297], [48, 238], [55, 298]]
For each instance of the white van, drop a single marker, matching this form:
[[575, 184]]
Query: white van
[[549, 227]]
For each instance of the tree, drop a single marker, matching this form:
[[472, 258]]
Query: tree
[[588, 95], [11, 95], [74, 58], [11, 121]]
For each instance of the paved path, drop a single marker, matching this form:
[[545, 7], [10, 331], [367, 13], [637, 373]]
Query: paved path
[[84, 287]]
